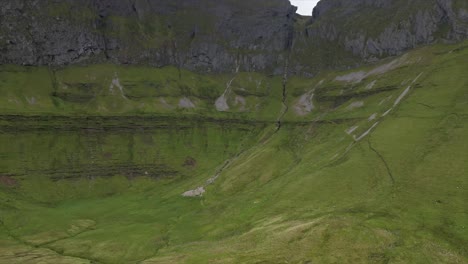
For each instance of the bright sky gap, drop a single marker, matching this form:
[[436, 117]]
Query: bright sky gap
[[304, 7]]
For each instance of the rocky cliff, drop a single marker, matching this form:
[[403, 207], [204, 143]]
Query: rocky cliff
[[224, 35], [346, 32], [202, 35]]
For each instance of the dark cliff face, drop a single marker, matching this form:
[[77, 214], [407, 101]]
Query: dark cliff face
[[395, 25], [222, 35], [206, 35], [371, 29]]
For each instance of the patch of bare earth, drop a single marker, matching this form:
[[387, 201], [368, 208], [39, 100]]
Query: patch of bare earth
[[8, 181]]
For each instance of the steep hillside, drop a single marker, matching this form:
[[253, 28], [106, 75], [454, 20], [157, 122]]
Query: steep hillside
[[366, 165], [233, 132]]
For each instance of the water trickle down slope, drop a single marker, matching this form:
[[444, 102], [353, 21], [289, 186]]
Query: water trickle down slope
[[285, 107], [221, 104]]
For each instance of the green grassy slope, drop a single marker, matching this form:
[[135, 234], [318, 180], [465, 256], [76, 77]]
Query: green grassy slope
[[368, 167], [133, 90]]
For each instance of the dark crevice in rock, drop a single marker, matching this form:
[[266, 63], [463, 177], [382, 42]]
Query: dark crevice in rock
[[284, 95], [101, 25], [288, 50], [175, 57], [53, 79]]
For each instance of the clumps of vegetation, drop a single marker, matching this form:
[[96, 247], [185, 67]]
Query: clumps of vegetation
[[306, 192]]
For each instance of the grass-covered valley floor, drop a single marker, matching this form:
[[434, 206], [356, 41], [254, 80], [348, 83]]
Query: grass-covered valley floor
[[363, 166]]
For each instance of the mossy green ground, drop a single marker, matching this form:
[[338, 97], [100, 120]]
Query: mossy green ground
[[309, 192]]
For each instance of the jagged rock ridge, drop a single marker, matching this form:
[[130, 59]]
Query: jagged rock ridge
[[197, 34], [373, 29], [224, 35]]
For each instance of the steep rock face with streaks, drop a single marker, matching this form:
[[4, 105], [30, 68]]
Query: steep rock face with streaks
[[350, 32], [223, 36], [219, 36]]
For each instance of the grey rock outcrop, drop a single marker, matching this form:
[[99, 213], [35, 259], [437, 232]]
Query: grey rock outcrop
[[203, 35], [222, 35], [391, 27]]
